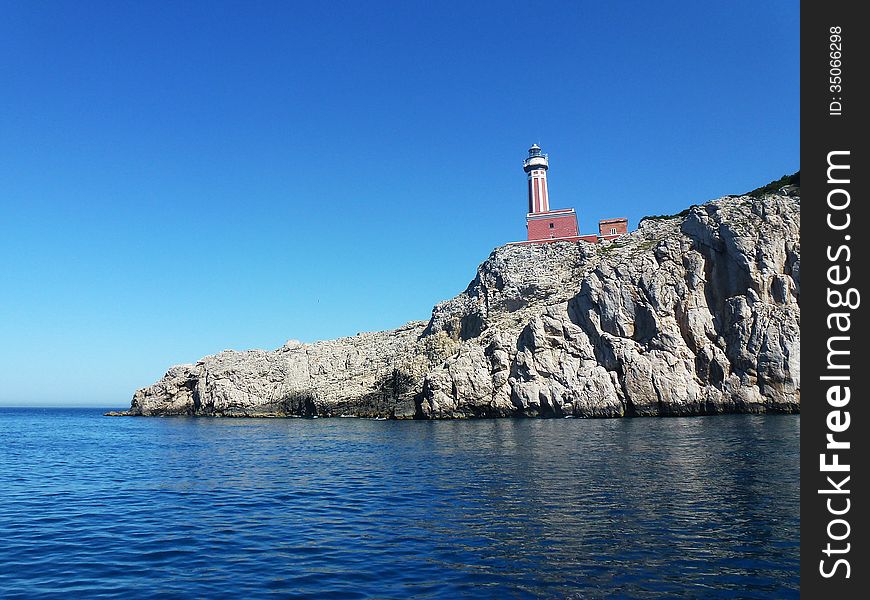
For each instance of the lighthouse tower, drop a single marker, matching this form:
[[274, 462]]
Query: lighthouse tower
[[544, 224], [536, 166]]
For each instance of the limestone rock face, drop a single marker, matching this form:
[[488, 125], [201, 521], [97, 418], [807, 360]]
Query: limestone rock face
[[693, 314]]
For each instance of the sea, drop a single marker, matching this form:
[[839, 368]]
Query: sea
[[183, 507]]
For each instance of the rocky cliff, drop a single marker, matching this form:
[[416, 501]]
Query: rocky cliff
[[692, 314]]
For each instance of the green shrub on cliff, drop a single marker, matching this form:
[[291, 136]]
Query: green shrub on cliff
[[774, 186]]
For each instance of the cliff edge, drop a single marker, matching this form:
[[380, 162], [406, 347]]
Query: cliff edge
[[693, 314]]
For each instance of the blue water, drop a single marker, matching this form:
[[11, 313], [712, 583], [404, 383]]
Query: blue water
[[349, 508]]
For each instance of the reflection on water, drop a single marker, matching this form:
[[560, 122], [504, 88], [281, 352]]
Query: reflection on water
[[700, 507]]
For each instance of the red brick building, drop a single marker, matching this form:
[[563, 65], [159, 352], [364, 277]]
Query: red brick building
[[545, 225], [552, 224], [611, 228]]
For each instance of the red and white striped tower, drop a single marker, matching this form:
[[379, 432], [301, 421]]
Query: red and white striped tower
[[536, 166]]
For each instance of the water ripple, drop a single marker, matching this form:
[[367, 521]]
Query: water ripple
[[351, 508]]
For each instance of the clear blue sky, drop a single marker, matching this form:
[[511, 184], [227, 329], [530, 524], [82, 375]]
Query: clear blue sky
[[177, 178]]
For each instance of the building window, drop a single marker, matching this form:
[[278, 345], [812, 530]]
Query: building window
[[613, 231], [551, 226]]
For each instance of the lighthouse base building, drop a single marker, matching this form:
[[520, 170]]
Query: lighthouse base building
[[560, 225], [553, 224]]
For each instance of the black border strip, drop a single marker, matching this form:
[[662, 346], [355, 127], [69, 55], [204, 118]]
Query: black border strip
[[833, 259]]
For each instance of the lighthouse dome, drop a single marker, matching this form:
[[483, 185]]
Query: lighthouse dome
[[536, 159]]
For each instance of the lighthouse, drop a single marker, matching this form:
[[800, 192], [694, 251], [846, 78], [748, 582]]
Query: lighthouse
[[542, 223], [536, 166]]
